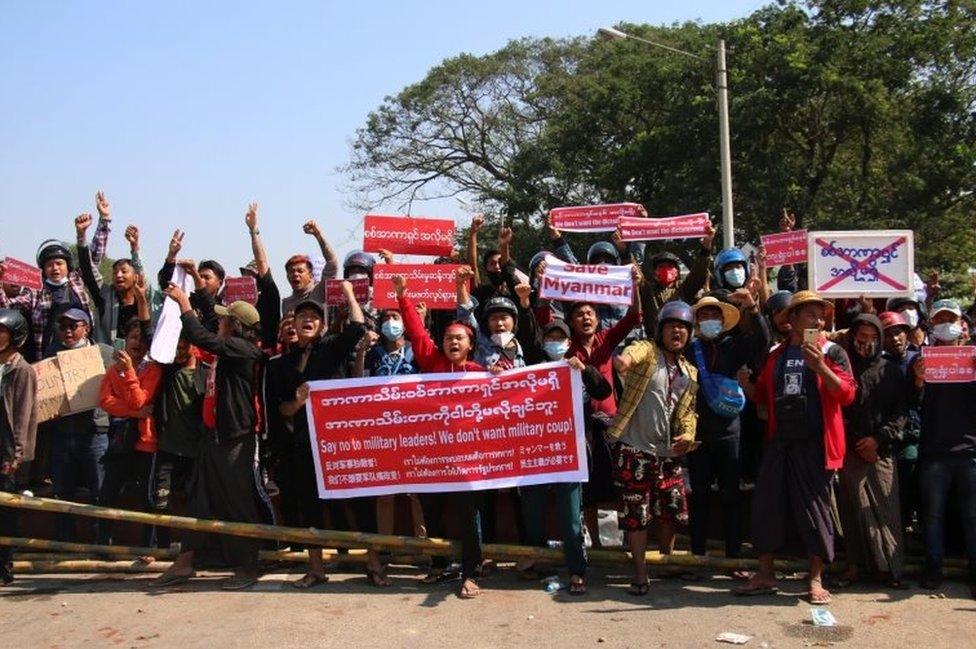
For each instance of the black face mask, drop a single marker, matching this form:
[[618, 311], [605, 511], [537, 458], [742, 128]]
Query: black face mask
[[496, 278]]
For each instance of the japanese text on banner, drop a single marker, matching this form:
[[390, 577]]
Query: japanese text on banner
[[447, 432], [672, 227], [586, 282], [408, 235], [592, 218]]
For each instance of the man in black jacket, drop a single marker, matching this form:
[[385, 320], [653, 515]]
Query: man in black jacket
[[867, 498]]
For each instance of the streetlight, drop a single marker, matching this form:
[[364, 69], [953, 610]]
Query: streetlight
[[725, 147]]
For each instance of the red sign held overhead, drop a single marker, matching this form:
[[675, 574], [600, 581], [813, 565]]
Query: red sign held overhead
[[432, 284], [408, 235], [447, 432], [593, 218], [785, 248], [688, 226], [21, 273], [240, 289], [949, 364], [335, 297]]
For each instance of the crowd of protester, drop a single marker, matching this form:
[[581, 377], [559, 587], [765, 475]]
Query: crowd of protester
[[710, 381]]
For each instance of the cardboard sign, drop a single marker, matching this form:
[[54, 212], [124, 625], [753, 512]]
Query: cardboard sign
[[688, 226], [20, 273], [335, 297], [447, 432], [408, 235], [586, 282], [593, 218], [785, 248], [69, 382], [949, 364], [240, 288], [853, 263], [432, 284]]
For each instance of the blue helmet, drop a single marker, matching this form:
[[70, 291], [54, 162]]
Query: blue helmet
[[778, 301], [358, 258], [603, 248], [723, 259], [677, 311]]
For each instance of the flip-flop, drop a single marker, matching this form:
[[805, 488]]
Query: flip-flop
[[310, 580], [470, 594], [755, 591], [239, 582], [821, 600], [165, 582]]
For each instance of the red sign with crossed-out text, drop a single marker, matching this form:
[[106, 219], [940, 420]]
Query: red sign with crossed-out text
[[408, 235], [432, 284], [447, 432], [949, 364]]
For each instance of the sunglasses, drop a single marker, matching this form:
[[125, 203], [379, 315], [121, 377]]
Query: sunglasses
[[70, 326]]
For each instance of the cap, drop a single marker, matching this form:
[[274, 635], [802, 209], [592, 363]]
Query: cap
[[241, 311], [949, 306], [310, 304], [556, 324], [76, 314]]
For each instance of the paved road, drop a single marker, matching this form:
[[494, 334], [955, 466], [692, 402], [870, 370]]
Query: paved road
[[117, 611]]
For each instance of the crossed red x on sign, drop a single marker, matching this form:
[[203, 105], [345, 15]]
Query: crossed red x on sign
[[857, 266]]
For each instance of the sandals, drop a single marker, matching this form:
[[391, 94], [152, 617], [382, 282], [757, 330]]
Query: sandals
[[639, 589], [753, 589], [165, 581], [239, 581], [469, 589], [577, 586], [310, 580], [819, 596]]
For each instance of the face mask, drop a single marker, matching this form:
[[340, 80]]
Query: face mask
[[60, 282], [666, 275], [392, 329], [911, 315], [502, 339], [358, 276], [947, 332], [867, 350], [735, 277], [556, 349], [710, 328]]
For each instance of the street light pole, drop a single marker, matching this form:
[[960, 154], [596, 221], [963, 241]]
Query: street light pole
[[725, 147], [724, 140]]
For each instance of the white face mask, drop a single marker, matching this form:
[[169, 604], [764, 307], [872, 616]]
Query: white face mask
[[947, 332], [358, 276], [60, 282], [911, 316], [502, 339]]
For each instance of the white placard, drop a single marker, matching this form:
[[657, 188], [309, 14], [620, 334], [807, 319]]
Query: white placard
[[874, 263]]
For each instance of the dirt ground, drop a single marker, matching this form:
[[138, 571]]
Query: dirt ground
[[119, 611]]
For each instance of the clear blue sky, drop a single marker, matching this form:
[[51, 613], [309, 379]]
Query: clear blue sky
[[183, 112]]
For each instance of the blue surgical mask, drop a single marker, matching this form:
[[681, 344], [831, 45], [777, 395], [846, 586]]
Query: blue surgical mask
[[710, 329], [392, 329], [947, 331], [735, 277], [556, 349]]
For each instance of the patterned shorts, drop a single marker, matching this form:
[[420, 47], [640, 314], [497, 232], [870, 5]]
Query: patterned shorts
[[650, 488]]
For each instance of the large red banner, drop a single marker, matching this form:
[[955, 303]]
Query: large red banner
[[432, 284], [240, 289], [20, 273], [592, 218], [672, 227], [949, 364], [785, 248], [447, 432], [408, 235]]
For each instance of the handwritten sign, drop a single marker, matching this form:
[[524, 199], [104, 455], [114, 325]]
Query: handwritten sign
[[785, 248], [593, 218], [20, 273], [447, 432], [949, 364], [335, 297], [853, 263], [69, 382], [408, 235], [238, 289], [688, 226], [432, 284]]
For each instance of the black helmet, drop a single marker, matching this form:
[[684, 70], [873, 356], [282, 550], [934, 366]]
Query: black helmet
[[16, 324], [360, 259], [603, 248], [53, 249], [500, 304], [677, 311], [665, 258], [895, 303], [778, 301]]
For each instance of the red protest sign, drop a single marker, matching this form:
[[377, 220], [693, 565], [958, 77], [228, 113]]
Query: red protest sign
[[20, 273], [593, 218], [240, 288], [335, 297], [949, 364], [432, 284], [408, 235], [672, 227], [447, 432], [785, 248]]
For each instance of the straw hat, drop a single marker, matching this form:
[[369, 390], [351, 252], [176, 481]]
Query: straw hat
[[730, 314], [809, 297]]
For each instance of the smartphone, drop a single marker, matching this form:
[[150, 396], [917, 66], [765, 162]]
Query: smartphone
[[118, 344], [811, 336]]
